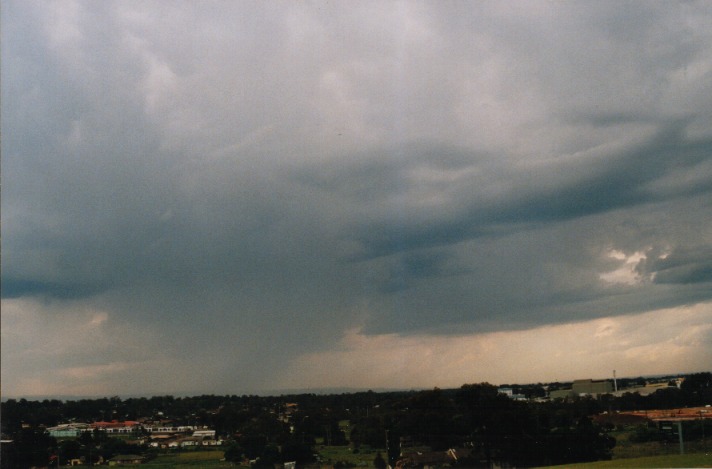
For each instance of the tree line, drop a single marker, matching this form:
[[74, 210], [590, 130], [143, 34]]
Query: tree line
[[492, 426]]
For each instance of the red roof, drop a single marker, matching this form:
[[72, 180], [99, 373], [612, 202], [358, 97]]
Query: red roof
[[688, 413], [115, 424]]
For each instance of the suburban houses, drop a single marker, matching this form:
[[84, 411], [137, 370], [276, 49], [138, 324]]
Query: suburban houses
[[157, 436], [479, 424]]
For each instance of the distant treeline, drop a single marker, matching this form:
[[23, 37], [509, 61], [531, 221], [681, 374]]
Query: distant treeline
[[474, 416]]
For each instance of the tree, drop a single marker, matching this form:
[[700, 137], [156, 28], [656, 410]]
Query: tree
[[69, 449], [294, 450], [697, 388], [253, 445], [644, 433], [110, 448], [368, 431], [34, 447], [234, 453], [269, 457], [665, 398], [480, 405], [584, 442], [99, 436], [334, 435], [379, 462], [429, 420], [12, 415], [89, 452]]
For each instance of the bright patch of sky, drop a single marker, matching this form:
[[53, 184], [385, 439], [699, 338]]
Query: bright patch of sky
[[627, 272]]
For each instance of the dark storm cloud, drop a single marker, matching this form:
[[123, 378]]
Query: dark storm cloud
[[251, 180], [497, 199], [687, 265], [14, 288]]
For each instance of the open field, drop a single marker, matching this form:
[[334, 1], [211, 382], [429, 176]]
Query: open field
[[625, 448], [363, 458], [192, 460], [669, 460], [329, 455]]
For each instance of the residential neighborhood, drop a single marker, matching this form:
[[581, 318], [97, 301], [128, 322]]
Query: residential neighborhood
[[476, 425]]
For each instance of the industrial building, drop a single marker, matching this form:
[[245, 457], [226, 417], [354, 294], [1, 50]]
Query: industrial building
[[585, 387]]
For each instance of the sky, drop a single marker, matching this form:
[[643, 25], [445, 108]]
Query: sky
[[249, 197]]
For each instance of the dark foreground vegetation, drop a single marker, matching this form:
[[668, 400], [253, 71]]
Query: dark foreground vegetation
[[484, 426]]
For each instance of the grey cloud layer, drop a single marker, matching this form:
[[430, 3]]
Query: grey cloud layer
[[267, 175]]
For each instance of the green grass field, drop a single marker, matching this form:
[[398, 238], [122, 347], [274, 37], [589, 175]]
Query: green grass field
[[212, 459], [669, 460], [190, 460], [363, 458], [626, 454]]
